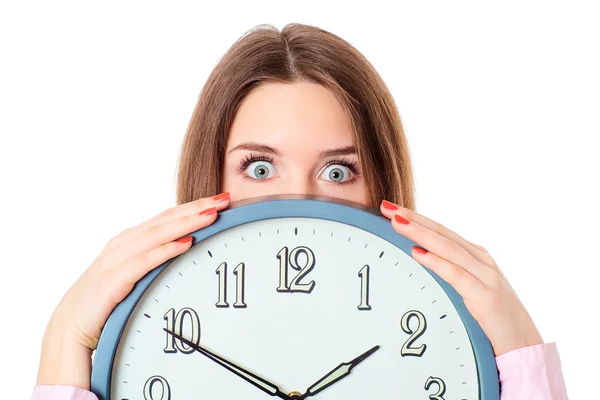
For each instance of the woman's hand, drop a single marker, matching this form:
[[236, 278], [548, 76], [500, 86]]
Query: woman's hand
[[74, 329], [473, 273]]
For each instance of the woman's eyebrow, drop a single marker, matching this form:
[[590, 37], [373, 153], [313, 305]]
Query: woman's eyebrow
[[253, 146], [342, 151], [263, 148]]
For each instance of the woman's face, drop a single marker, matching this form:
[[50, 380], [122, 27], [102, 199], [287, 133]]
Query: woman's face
[[292, 138]]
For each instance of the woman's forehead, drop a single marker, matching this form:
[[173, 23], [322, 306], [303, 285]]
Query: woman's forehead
[[289, 116]]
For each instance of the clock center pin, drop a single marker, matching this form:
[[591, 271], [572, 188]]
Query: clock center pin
[[295, 395]]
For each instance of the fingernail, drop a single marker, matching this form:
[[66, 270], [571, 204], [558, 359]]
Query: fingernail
[[389, 206], [401, 220], [221, 197], [419, 250], [186, 239], [209, 211]]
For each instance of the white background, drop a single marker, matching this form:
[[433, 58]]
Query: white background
[[500, 104]]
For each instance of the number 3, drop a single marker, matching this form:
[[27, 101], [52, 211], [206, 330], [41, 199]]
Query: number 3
[[441, 386]]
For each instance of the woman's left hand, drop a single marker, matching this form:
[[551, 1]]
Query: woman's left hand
[[473, 273]]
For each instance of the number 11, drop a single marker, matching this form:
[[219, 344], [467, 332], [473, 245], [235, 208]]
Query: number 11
[[239, 272]]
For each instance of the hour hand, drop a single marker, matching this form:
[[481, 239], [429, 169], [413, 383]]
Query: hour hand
[[248, 376], [336, 374]]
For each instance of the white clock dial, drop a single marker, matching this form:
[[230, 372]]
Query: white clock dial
[[289, 300]]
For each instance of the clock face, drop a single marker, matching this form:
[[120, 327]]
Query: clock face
[[297, 306]]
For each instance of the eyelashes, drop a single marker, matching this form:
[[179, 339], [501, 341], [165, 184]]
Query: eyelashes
[[250, 158], [352, 165]]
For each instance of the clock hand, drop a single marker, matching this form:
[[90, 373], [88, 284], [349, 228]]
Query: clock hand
[[336, 374], [246, 375]]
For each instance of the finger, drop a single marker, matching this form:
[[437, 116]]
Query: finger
[[467, 285], [389, 209], [158, 235], [119, 282], [444, 248], [220, 201], [480, 253]]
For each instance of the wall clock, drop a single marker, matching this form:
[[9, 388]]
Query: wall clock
[[294, 297]]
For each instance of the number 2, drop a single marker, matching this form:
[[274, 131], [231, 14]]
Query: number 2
[[406, 349]]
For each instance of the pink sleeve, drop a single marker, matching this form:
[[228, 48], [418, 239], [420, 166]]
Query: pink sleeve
[[61, 392], [531, 373]]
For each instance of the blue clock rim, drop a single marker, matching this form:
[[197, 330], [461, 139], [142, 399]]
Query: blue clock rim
[[286, 206]]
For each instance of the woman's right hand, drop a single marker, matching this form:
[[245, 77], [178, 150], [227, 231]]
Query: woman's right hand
[[74, 329]]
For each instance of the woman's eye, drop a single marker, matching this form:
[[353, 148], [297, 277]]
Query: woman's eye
[[260, 170], [336, 173]]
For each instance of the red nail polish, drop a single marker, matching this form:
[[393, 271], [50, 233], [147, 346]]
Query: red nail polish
[[209, 211], [401, 220], [389, 206], [186, 239], [419, 250], [221, 197]]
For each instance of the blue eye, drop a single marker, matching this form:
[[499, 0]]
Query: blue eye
[[260, 170], [336, 173]]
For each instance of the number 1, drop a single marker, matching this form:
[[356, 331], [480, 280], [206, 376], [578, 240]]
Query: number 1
[[364, 288]]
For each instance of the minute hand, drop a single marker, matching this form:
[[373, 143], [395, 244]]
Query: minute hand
[[248, 376], [337, 373]]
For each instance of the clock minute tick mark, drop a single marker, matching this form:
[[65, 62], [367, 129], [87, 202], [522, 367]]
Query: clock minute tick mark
[[168, 287], [410, 273], [457, 348], [443, 316], [156, 300], [381, 255], [180, 273], [296, 231], [348, 238], [366, 245], [433, 301], [147, 316], [194, 262], [423, 288], [225, 245], [331, 234], [209, 253]]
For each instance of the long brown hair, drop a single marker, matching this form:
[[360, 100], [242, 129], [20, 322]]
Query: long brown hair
[[298, 53]]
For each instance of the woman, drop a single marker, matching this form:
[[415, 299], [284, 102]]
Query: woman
[[296, 111]]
